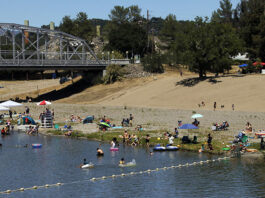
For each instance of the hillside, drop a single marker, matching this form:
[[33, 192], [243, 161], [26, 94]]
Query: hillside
[[169, 90]]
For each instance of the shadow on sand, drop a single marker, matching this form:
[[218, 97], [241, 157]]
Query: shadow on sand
[[190, 82]]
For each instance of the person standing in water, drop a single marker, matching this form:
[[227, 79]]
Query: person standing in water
[[112, 144]]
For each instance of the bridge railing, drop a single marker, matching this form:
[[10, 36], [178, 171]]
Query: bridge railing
[[19, 58]]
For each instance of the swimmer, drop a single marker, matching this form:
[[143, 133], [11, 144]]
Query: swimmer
[[122, 161], [100, 151], [84, 162], [151, 153]]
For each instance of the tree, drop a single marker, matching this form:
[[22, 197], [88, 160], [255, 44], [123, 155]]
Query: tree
[[153, 63], [121, 14], [224, 13], [125, 33], [67, 25], [251, 26], [83, 27], [80, 26], [174, 36], [127, 37], [211, 47], [113, 73]]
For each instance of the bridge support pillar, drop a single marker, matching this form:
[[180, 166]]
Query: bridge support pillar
[[12, 75], [104, 72], [27, 75]]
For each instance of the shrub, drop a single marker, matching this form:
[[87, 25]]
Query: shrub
[[114, 73]]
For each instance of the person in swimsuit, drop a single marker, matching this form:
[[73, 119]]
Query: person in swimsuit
[[147, 140], [100, 151], [122, 161]]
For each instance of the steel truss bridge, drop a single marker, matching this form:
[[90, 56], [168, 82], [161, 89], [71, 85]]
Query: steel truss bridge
[[37, 49]]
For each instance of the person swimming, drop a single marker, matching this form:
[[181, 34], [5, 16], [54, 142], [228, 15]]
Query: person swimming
[[84, 161], [122, 161], [100, 151]]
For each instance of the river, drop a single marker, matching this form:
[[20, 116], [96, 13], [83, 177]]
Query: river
[[59, 159]]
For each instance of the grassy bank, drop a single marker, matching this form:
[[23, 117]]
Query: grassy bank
[[157, 137]]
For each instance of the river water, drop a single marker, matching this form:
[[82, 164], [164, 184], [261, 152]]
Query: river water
[[59, 159]]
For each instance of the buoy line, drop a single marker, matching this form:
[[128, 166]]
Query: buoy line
[[114, 176]]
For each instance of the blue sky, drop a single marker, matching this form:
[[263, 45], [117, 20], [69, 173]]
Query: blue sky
[[42, 12]]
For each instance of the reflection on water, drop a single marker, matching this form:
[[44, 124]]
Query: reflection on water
[[59, 159]]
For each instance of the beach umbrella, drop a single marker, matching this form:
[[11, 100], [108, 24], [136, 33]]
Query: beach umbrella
[[188, 126], [44, 102], [197, 116], [104, 124], [243, 65], [10, 103], [2, 108], [258, 63]]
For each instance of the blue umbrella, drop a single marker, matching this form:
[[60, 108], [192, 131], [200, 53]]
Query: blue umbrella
[[188, 126], [243, 65]]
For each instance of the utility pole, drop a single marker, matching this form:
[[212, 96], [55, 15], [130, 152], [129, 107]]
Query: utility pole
[[147, 28]]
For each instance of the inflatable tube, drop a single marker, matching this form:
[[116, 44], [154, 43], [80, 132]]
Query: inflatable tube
[[252, 150], [226, 149], [159, 148], [90, 165], [114, 149], [132, 163], [172, 148], [36, 145]]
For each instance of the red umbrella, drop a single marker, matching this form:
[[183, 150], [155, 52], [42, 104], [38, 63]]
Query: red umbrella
[[44, 102], [258, 63]]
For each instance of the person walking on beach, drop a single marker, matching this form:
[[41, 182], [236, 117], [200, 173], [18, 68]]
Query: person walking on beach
[[214, 106], [130, 120], [233, 107]]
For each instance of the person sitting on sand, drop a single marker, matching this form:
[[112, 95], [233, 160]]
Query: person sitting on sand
[[100, 151], [122, 161], [248, 127]]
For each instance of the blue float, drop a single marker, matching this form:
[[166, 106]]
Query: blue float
[[36, 145]]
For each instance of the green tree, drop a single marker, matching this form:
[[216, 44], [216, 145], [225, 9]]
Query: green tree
[[67, 25], [113, 74], [80, 26], [211, 47], [175, 41], [120, 14], [124, 31], [224, 13], [251, 26], [153, 63]]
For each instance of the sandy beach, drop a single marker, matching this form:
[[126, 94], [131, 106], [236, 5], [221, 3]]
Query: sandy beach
[[150, 118]]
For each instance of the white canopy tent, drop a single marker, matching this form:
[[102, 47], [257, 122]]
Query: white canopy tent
[[10, 103], [2, 108]]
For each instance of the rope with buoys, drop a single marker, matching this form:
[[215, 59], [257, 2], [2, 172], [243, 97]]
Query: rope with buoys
[[114, 176]]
